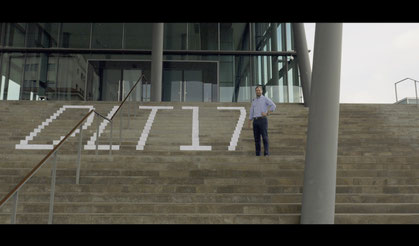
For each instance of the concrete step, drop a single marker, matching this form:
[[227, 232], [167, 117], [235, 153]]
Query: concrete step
[[265, 198], [378, 218], [209, 171], [153, 208], [206, 208], [109, 218]]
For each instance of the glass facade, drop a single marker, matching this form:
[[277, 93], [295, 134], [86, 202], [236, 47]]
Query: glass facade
[[99, 61]]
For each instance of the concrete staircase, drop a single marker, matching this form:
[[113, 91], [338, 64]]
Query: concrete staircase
[[377, 177]]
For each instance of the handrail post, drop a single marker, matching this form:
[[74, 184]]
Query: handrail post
[[120, 129], [79, 156], [110, 139], [52, 194], [14, 208], [416, 92], [129, 113], [97, 136], [395, 88]]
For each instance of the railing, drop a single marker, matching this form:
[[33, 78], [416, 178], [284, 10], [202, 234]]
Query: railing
[[416, 91], [13, 194]]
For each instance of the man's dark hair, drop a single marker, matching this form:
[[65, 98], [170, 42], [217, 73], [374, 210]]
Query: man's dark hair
[[260, 86]]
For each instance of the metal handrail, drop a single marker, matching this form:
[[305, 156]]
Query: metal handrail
[[416, 91], [14, 192], [16, 189], [129, 93]]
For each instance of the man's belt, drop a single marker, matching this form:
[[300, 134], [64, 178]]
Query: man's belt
[[258, 118]]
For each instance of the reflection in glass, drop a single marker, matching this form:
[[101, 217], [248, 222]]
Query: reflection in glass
[[130, 77], [189, 81], [51, 81], [107, 36], [234, 36], [242, 81], [138, 35], [3, 82], [43, 35], [71, 77], [172, 85], [111, 80], [75, 35], [174, 36], [208, 87], [290, 45], [226, 75], [261, 36], [202, 36], [193, 86], [14, 76], [31, 77], [15, 34]]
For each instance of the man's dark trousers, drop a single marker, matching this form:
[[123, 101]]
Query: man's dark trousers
[[260, 127]]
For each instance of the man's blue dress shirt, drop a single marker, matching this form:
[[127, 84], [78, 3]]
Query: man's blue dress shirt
[[259, 105]]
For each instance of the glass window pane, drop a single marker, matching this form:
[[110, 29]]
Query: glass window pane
[[71, 77], [234, 36], [194, 86], [174, 36], [226, 66], [75, 35], [242, 80], [2, 79], [268, 33], [138, 35], [279, 37], [203, 36], [12, 70], [260, 38], [15, 34], [107, 36], [289, 37], [43, 35], [31, 75]]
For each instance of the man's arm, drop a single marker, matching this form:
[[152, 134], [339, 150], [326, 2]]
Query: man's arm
[[271, 106], [251, 115]]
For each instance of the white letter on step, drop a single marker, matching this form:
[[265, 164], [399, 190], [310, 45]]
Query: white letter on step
[[195, 132], [91, 144], [239, 126], [24, 143], [148, 124]]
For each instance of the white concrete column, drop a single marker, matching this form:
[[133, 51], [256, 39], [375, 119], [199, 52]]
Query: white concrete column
[[157, 62], [303, 60], [319, 191]]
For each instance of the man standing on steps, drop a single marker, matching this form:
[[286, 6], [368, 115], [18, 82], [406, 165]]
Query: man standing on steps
[[258, 114]]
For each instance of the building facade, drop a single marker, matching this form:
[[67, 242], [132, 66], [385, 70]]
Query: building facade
[[202, 62]]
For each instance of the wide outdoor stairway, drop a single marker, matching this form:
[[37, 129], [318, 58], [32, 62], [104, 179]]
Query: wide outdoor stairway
[[377, 170]]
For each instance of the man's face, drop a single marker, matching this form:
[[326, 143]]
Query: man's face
[[258, 91]]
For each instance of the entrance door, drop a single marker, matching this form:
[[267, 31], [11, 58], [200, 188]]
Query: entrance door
[[189, 81], [183, 86], [111, 80], [183, 81]]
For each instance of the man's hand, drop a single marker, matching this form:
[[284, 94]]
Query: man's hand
[[265, 114]]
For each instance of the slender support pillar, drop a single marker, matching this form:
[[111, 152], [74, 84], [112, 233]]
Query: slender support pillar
[[157, 62], [275, 70], [52, 192], [319, 191], [303, 60]]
